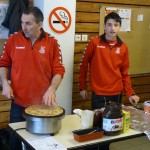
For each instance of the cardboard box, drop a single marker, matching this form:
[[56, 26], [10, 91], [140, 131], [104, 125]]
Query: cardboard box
[[126, 121]]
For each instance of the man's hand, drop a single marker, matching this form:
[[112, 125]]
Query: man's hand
[[134, 99], [49, 97], [84, 94], [7, 90]]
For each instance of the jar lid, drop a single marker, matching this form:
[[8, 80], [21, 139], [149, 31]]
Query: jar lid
[[113, 106]]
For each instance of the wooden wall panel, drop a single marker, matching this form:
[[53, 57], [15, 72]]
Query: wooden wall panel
[[82, 105], [79, 47], [87, 17], [131, 2], [87, 27], [77, 58], [4, 117], [76, 69], [87, 7], [143, 79], [5, 105]]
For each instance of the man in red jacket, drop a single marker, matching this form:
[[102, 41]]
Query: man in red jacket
[[107, 59], [37, 68]]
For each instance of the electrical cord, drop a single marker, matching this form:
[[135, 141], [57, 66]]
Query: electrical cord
[[3, 143], [4, 138], [12, 134]]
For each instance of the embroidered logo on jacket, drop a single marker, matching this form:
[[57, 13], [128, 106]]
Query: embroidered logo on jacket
[[100, 46], [42, 50], [117, 51], [20, 47]]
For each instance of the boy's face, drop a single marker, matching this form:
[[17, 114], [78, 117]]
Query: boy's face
[[111, 29]]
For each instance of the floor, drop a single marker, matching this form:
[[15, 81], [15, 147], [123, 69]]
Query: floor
[[139, 143]]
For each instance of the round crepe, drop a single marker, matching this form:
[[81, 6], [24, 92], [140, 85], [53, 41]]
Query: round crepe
[[42, 110]]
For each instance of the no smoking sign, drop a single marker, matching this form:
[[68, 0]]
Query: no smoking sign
[[60, 20]]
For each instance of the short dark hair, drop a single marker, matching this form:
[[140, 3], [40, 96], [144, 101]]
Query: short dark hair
[[114, 16], [36, 12]]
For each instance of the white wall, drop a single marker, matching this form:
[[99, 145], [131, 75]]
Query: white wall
[[66, 41]]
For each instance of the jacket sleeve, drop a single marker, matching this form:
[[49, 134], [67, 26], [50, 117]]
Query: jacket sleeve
[[125, 75], [84, 64], [57, 65]]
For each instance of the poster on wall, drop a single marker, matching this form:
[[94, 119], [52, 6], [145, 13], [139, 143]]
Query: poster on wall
[[125, 15], [3, 30]]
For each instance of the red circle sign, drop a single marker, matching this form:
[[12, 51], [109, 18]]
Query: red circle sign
[[60, 20]]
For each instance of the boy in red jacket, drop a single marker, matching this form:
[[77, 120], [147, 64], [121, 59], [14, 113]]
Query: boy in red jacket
[[107, 59]]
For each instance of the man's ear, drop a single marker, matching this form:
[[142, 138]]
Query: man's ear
[[40, 24]]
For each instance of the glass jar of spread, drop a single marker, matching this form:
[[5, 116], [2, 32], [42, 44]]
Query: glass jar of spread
[[112, 118]]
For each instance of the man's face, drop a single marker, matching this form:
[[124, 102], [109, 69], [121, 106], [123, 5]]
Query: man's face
[[111, 29], [30, 28]]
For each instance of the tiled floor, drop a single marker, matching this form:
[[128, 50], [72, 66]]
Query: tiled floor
[[139, 143]]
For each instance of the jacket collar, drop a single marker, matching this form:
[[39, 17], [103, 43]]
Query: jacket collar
[[103, 38]]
